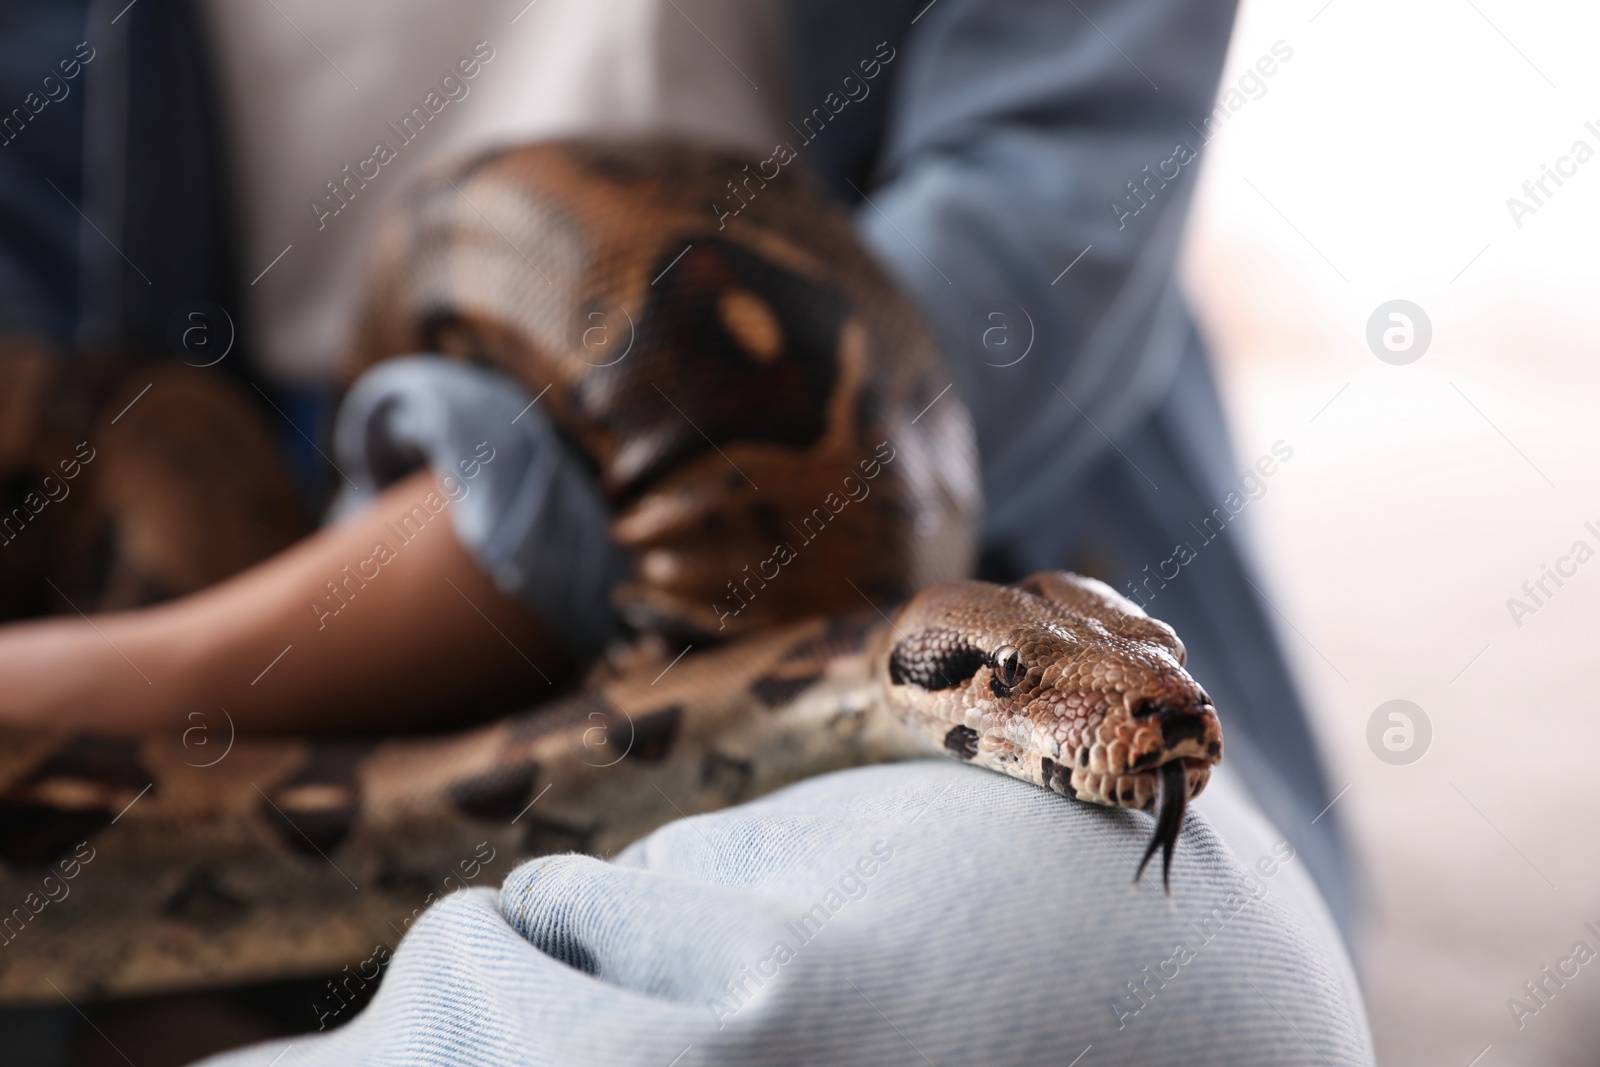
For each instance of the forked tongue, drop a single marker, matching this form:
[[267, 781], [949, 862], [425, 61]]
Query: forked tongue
[[1172, 797]]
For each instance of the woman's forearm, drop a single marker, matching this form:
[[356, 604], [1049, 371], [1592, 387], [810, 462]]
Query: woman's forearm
[[368, 624]]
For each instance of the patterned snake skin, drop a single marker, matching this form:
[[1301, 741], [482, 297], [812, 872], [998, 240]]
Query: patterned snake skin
[[768, 419]]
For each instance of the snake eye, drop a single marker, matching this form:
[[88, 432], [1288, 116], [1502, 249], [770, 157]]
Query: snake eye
[[1006, 663]]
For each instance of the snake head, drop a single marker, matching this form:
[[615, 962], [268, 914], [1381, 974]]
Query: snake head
[[1059, 681]]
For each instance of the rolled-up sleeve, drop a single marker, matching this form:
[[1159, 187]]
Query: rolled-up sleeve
[[523, 502]]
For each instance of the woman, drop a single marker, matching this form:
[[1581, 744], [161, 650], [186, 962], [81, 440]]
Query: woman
[[986, 160]]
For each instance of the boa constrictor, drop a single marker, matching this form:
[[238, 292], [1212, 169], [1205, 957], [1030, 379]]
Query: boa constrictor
[[769, 421]]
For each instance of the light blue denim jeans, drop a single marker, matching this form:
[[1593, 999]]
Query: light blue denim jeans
[[926, 912]]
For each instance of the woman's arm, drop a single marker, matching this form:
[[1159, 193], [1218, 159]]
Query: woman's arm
[[403, 631]]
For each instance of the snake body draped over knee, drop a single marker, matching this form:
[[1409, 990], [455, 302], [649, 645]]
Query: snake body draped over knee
[[772, 427]]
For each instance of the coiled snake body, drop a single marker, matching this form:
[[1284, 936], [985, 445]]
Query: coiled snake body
[[768, 418]]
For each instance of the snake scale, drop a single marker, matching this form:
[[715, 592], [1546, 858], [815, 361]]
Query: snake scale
[[768, 419]]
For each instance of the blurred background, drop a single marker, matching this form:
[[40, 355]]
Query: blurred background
[[1374, 166], [1377, 167]]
